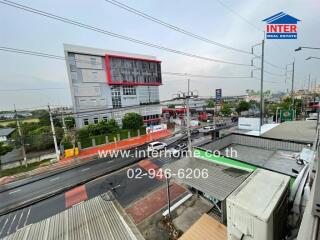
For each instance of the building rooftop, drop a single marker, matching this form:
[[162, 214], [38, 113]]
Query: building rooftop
[[93, 219], [6, 131], [223, 180], [304, 131], [271, 154]]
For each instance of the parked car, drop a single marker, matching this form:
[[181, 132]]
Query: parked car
[[207, 129], [156, 146], [194, 131]]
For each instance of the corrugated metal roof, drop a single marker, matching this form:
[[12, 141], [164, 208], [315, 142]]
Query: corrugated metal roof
[[93, 219], [221, 180], [6, 131]]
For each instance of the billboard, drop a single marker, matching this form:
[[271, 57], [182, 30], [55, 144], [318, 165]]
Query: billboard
[[252, 124], [218, 95], [287, 115]]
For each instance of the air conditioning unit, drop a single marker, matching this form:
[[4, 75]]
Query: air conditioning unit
[[258, 208]]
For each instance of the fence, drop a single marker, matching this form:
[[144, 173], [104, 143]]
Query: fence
[[104, 139]]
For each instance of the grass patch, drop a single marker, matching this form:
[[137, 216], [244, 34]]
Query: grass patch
[[21, 169], [28, 120]]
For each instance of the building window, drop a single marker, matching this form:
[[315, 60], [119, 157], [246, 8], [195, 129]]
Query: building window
[[105, 118], [116, 97], [95, 120], [93, 61], [86, 121], [129, 90]]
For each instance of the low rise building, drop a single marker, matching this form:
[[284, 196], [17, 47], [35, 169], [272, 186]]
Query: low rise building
[[108, 84]]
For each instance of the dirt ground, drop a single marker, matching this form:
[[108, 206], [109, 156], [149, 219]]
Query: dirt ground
[[154, 228]]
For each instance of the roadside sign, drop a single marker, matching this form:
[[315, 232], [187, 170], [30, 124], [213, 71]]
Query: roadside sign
[[218, 95], [287, 115]]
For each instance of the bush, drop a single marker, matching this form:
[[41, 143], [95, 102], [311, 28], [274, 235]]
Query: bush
[[132, 121], [67, 142]]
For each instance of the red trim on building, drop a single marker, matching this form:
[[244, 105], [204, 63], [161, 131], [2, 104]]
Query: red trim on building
[[133, 58], [152, 120], [109, 81], [134, 84], [108, 71]]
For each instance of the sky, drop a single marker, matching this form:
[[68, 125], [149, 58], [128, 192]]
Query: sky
[[241, 27]]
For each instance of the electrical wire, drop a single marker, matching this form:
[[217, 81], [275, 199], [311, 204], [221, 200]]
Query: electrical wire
[[46, 55], [173, 27], [238, 15], [115, 35]]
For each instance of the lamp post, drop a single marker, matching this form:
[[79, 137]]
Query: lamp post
[[312, 48]]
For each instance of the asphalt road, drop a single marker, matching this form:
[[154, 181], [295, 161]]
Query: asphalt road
[[26, 191], [134, 189], [29, 191]]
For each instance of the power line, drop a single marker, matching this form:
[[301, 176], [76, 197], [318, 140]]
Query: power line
[[201, 76], [30, 89], [99, 30], [173, 27], [238, 15], [56, 57]]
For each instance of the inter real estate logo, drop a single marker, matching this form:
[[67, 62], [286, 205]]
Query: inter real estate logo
[[281, 26]]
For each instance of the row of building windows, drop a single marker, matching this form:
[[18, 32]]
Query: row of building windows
[[129, 90], [133, 63], [149, 117], [135, 71], [95, 120]]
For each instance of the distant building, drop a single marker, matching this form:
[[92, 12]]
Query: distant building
[[5, 133], [107, 84]]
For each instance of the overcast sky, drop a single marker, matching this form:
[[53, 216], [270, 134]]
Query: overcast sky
[[24, 30]]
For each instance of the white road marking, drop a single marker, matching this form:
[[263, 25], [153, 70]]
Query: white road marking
[[111, 161], [19, 220], [9, 229], [86, 169], [18, 190], [25, 222], [4, 224], [54, 179]]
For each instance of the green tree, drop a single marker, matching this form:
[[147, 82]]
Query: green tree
[[70, 122], [226, 110], [112, 126], [67, 142], [41, 138], [243, 106], [44, 120], [210, 103], [132, 121], [3, 150]]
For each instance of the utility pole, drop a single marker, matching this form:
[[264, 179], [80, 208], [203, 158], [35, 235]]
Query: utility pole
[[54, 135], [168, 195], [188, 118], [261, 83], [309, 82], [185, 96], [21, 138], [64, 124], [292, 86], [261, 86]]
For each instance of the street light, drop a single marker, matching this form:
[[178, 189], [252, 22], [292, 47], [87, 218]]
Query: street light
[[300, 48], [312, 57]]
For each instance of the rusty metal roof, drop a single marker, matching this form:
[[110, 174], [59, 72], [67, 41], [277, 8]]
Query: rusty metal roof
[[93, 219]]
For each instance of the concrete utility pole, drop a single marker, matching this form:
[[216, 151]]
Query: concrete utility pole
[[185, 96], [292, 86], [54, 135], [188, 118], [261, 86], [21, 138], [309, 82]]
